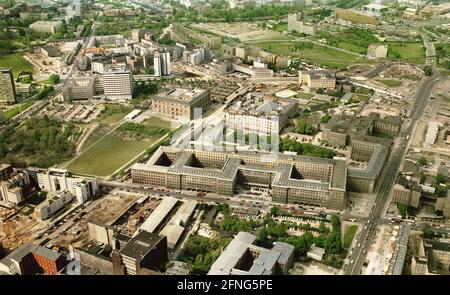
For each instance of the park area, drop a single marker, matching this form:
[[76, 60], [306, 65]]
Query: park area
[[410, 52], [349, 234], [16, 62], [312, 52], [17, 109], [119, 147]]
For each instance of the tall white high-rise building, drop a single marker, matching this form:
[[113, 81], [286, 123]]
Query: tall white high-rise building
[[161, 64], [118, 84]]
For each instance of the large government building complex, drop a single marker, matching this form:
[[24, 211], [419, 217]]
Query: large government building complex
[[293, 179]]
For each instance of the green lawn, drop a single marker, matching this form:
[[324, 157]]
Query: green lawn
[[445, 73], [114, 113], [17, 110], [359, 97], [17, 63], [280, 27], [316, 53], [349, 234], [107, 155], [156, 122], [412, 52], [352, 47], [391, 83], [304, 95]]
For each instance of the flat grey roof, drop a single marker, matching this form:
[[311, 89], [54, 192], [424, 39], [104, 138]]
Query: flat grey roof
[[158, 215], [140, 245], [374, 166], [235, 161]]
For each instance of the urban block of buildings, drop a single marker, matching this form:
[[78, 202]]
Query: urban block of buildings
[[31, 259], [53, 204], [7, 87], [14, 185], [242, 257], [56, 180], [296, 23], [293, 179], [180, 103], [118, 84], [316, 79], [406, 192], [49, 27], [254, 113], [143, 251], [79, 88]]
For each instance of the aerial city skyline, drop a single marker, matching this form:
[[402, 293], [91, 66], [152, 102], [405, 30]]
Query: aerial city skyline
[[224, 137]]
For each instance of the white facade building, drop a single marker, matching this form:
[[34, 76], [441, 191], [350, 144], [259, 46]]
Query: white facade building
[[54, 180], [53, 205], [118, 84], [161, 64], [49, 27]]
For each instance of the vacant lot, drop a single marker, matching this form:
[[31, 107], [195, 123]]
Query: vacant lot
[[17, 110], [114, 113], [391, 83], [16, 62], [312, 52], [356, 17], [107, 155], [411, 52], [156, 122], [349, 234], [117, 149]]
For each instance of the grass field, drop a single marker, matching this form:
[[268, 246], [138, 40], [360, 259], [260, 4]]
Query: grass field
[[352, 47], [17, 110], [359, 97], [391, 83], [107, 155], [305, 95], [412, 52], [316, 53], [349, 234], [280, 27], [16, 62], [114, 113], [356, 17], [156, 122]]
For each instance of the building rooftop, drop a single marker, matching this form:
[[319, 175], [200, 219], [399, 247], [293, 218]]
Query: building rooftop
[[181, 95], [18, 254], [280, 164], [255, 104], [141, 244], [263, 264], [159, 214], [373, 167]]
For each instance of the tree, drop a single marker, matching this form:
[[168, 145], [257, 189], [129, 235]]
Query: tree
[[428, 232], [440, 178], [422, 161], [26, 80], [275, 211], [325, 118], [428, 71], [402, 209], [54, 78]]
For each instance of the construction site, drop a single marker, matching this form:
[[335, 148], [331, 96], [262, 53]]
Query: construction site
[[17, 229], [121, 210]]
